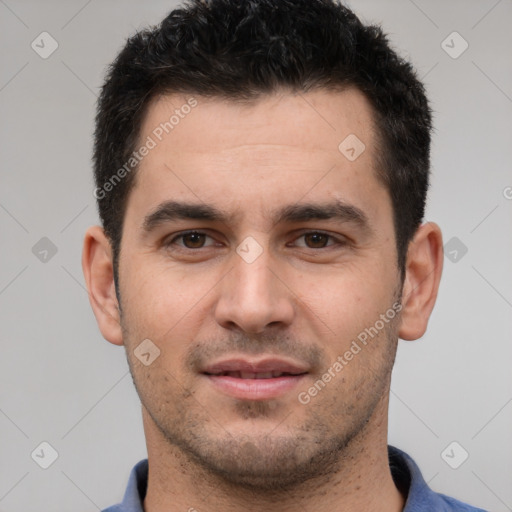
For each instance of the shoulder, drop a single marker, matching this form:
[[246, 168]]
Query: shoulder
[[135, 491], [451, 504], [420, 498]]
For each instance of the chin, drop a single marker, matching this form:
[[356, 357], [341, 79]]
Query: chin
[[266, 463]]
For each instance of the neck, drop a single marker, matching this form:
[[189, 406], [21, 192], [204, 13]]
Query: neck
[[362, 480]]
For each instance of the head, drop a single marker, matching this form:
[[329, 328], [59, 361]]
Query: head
[[210, 49], [303, 243]]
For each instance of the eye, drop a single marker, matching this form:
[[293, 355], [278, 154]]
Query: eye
[[318, 240], [190, 240], [194, 240]]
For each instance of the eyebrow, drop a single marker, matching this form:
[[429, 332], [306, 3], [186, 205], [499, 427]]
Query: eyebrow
[[170, 211]]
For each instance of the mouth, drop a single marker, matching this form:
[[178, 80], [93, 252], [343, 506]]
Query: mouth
[[255, 380], [253, 375]]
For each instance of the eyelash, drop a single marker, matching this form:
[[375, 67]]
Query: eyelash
[[192, 232]]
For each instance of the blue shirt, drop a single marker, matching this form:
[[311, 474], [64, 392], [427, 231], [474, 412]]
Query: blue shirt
[[406, 475]]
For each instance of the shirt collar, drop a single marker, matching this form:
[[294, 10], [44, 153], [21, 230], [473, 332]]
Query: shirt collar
[[406, 475], [136, 489]]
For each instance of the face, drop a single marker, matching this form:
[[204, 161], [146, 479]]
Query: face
[[255, 255]]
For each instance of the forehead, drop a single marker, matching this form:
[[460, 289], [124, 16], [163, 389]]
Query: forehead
[[315, 120], [276, 149]]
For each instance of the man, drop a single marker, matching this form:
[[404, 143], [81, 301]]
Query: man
[[261, 172]]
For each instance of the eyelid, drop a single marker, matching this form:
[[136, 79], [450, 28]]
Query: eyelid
[[176, 236], [336, 239]]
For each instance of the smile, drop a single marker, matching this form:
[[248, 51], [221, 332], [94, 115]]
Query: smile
[[252, 375], [254, 386]]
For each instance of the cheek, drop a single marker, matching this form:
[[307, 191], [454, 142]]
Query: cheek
[[160, 387], [166, 305], [346, 299]]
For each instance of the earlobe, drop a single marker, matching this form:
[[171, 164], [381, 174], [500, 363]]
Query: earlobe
[[99, 279], [423, 274]]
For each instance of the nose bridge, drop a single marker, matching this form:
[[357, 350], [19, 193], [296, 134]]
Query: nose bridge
[[252, 297], [254, 279]]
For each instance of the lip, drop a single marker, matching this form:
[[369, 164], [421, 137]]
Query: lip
[[251, 387], [255, 389], [253, 366]]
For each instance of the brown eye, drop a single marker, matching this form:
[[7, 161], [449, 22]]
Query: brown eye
[[316, 240], [193, 240]]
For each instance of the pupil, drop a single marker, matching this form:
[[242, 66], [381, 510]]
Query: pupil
[[195, 239], [317, 238]]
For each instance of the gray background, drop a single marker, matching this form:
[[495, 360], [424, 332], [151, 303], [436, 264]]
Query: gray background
[[60, 382]]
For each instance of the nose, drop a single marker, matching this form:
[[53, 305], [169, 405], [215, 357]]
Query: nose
[[254, 296]]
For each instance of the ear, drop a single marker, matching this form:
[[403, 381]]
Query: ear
[[99, 278], [421, 284]]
